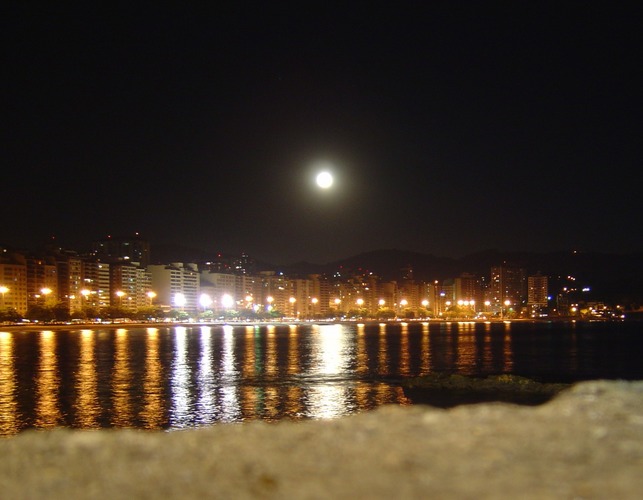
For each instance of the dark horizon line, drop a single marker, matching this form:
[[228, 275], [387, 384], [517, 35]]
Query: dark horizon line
[[179, 247]]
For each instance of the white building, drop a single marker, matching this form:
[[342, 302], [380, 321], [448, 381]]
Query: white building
[[217, 285], [176, 285]]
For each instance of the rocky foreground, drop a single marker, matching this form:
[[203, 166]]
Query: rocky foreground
[[585, 443]]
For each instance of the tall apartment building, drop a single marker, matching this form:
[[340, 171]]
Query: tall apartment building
[[387, 297], [321, 292], [349, 293], [96, 280], [275, 291], [216, 285], [248, 287], [42, 281], [466, 288], [537, 291], [129, 284], [176, 285], [508, 283], [409, 296], [70, 282], [432, 293], [300, 300], [447, 293], [371, 292], [13, 280]]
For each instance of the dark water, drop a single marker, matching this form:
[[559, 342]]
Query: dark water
[[178, 377]]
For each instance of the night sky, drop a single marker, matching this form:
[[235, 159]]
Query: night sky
[[450, 127]]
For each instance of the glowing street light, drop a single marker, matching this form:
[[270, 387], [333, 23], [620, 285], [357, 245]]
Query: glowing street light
[[180, 300], [227, 301], [151, 295], [3, 290], [120, 294], [45, 292], [85, 294], [205, 300]]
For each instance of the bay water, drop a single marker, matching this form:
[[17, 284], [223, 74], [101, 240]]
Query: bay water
[[165, 377]]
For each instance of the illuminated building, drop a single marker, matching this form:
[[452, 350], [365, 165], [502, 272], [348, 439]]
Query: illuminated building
[[13, 279], [42, 281], [508, 283], [302, 291], [96, 279], [537, 291], [409, 296], [247, 286], [467, 289], [175, 280], [321, 291], [216, 285], [130, 284], [70, 281], [275, 291]]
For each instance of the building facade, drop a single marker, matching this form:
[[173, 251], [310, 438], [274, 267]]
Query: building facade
[[176, 285]]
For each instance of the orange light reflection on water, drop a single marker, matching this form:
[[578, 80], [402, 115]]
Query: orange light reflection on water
[[153, 412], [180, 377], [47, 383], [87, 408], [121, 381], [8, 403]]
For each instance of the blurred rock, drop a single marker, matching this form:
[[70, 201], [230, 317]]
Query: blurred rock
[[448, 390], [585, 443]]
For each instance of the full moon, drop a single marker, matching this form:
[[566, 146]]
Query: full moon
[[324, 180]]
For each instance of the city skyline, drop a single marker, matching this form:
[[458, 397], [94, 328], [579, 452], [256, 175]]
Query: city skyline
[[118, 275], [448, 129]]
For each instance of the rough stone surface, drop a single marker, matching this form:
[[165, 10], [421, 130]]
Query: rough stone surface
[[586, 443]]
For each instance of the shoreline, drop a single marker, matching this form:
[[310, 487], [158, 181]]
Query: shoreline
[[169, 324]]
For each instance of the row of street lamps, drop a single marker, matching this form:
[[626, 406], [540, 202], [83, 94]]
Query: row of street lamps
[[227, 301], [4, 290]]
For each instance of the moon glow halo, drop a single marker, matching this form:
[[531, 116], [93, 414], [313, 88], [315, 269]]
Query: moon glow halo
[[324, 180]]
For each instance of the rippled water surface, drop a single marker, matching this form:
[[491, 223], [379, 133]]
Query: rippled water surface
[[178, 377]]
